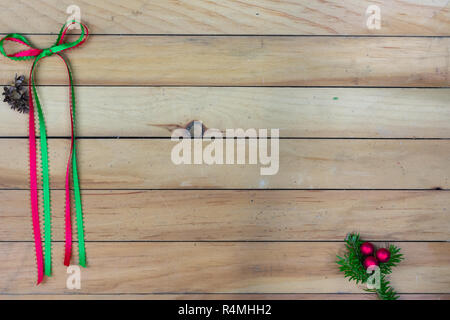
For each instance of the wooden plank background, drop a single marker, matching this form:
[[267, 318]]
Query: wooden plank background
[[249, 61], [364, 123], [244, 215], [294, 17], [220, 267], [304, 164], [297, 112]]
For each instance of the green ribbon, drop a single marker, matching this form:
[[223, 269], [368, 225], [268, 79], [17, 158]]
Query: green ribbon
[[39, 54]]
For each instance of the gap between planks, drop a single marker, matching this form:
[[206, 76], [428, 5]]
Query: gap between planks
[[224, 296]]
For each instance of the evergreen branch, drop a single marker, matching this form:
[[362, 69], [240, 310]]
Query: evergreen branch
[[351, 264], [386, 292]]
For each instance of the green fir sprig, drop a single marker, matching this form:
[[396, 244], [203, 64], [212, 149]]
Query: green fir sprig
[[351, 264]]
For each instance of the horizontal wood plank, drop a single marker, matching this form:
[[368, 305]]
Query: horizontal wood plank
[[297, 112], [246, 61], [413, 17], [305, 164], [218, 268], [172, 215], [264, 296]]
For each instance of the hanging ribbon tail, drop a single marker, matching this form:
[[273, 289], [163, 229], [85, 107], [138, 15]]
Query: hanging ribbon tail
[[76, 185], [45, 177], [34, 194], [68, 216], [43, 258], [79, 209]]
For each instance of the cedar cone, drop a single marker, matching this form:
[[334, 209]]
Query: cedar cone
[[16, 95]]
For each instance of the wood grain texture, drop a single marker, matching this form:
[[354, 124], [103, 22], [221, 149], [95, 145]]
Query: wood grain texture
[[202, 215], [179, 267], [154, 66], [247, 61], [310, 164], [413, 17], [265, 296], [297, 112]]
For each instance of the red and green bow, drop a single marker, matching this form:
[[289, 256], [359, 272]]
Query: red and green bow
[[44, 261]]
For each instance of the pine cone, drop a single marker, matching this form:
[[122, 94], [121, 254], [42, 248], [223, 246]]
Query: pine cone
[[16, 95]]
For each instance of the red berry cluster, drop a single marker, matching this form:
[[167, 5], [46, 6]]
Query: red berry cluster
[[381, 256]]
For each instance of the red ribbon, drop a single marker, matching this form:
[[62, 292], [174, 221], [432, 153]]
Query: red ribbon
[[38, 54]]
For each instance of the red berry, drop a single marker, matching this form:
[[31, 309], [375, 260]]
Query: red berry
[[383, 255], [370, 261], [367, 249]]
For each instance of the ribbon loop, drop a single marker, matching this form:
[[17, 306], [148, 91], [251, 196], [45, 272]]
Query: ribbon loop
[[32, 52], [38, 54]]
